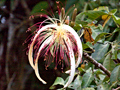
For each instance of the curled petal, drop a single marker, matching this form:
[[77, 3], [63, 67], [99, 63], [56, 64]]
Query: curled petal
[[78, 42], [30, 52], [72, 62], [44, 44]]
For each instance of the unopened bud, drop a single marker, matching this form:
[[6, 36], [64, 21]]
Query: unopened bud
[[73, 17], [62, 13]]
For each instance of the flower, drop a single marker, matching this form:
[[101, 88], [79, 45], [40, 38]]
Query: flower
[[58, 43]]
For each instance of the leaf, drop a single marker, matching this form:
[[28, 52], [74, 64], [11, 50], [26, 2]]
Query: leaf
[[96, 31], [39, 6], [118, 55], [91, 15], [115, 75], [87, 79], [101, 76], [94, 14], [109, 63], [88, 89], [69, 3], [59, 81], [79, 19], [103, 87], [116, 19], [100, 50], [102, 8], [113, 11], [2, 2], [106, 20], [88, 35], [118, 37], [99, 37], [116, 30], [77, 83], [104, 17]]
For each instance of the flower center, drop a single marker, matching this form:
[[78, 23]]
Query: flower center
[[60, 34], [60, 31]]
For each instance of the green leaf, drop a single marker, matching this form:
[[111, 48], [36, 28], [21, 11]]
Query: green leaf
[[102, 8], [116, 30], [59, 81], [118, 55], [118, 37], [115, 75], [94, 14], [109, 63], [99, 37], [103, 87], [87, 45], [81, 69], [79, 20], [88, 89], [113, 11], [100, 50], [2, 2], [91, 15], [116, 19], [77, 83], [87, 79], [41, 5], [101, 76], [96, 31]]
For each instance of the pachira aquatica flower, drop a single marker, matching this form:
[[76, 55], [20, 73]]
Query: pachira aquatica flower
[[58, 43]]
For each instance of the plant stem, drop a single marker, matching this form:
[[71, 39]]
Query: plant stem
[[99, 65]]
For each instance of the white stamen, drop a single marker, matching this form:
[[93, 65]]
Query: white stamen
[[45, 43], [72, 62], [78, 41], [30, 53]]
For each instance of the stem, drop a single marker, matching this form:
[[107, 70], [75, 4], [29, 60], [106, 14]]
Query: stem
[[99, 65]]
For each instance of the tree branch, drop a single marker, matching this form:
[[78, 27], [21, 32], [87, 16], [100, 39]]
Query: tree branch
[[118, 88], [99, 65]]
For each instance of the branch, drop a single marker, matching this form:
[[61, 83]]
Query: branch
[[25, 6], [99, 65], [118, 88]]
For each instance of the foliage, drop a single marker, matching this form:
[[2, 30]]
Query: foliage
[[100, 34]]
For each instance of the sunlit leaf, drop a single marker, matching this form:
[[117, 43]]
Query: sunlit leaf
[[59, 81], [118, 55], [116, 19], [102, 8], [104, 17], [113, 11]]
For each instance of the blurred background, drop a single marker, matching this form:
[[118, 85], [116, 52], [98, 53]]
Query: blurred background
[[15, 71]]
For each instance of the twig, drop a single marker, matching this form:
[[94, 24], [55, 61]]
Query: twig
[[25, 6], [99, 65], [11, 81], [118, 88]]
